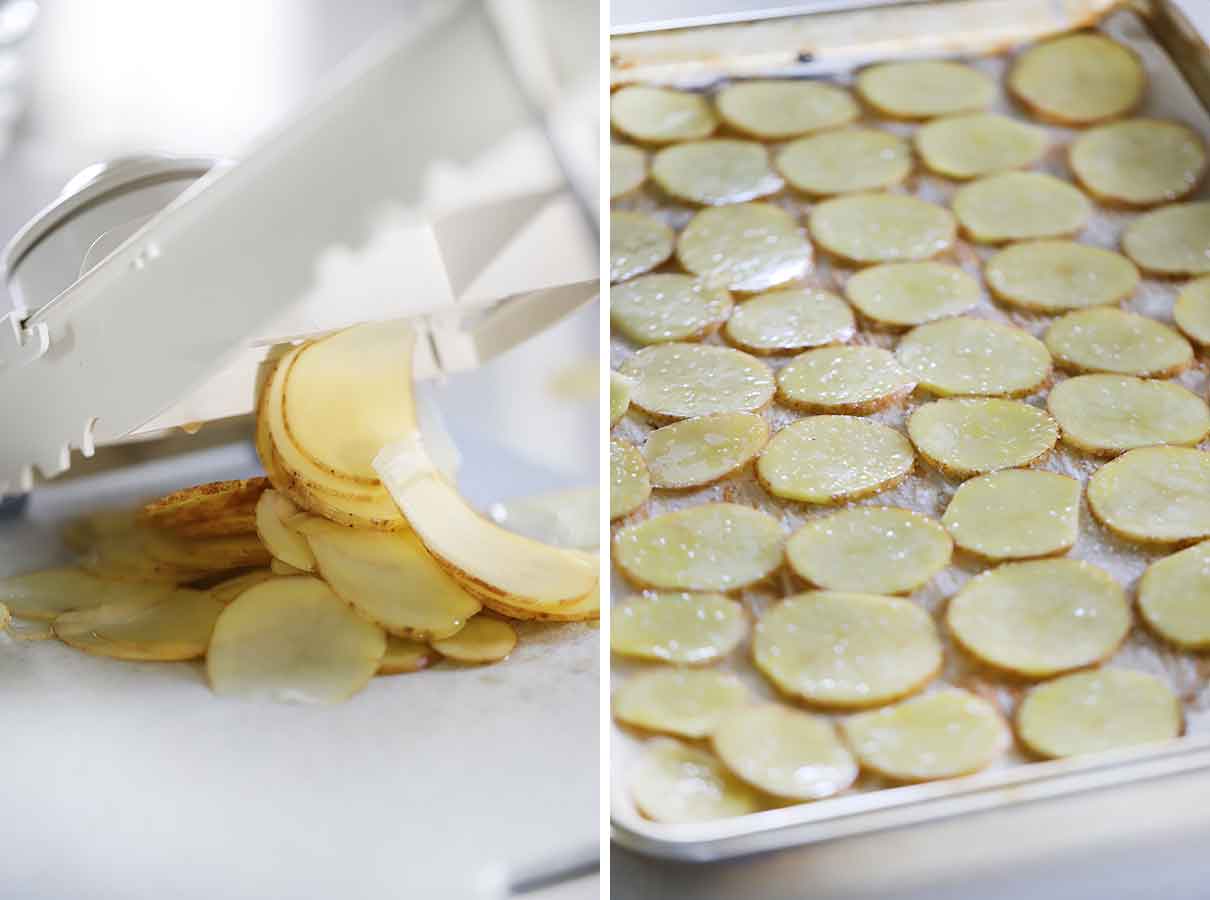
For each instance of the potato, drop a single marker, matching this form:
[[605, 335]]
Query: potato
[[1192, 311], [128, 557], [482, 640], [1174, 597], [680, 381], [694, 452], [654, 309], [790, 319], [1078, 79], [677, 783], [283, 542], [204, 503], [877, 228], [981, 144], [1015, 514], [746, 248], [841, 162], [1055, 276], [677, 628], [1020, 206], [627, 169], [637, 244], [921, 89], [403, 655], [1108, 414], [1139, 162], [208, 555], [852, 380], [619, 397], [277, 567], [965, 436], [1110, 340], [629, 483], [654, 115], [782, 109], [51, 592], [1154, 495], [683, 702], [900, 295], [1171, 241], [715, 172], [147, 624], [226, 591]]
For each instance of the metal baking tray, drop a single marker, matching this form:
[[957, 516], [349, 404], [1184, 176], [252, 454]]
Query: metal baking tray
[[832, 45]]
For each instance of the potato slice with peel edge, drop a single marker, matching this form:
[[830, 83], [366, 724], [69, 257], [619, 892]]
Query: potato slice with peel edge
[[853, 380], [1107, 414], [836, 649], [681, 381], [1154, 495], [1138, 162], [282, 541], [1174, 597], [841, 162], [712, 547], [629, 483], [46, 594], [1109, 340], [655, 115], [748, 247], [149, 624], [226, 591], [1192, 311], [637, 244], [683, 702], [1105, 709], [1015, 514], [1019, 206], [679, 628], [619, 397], [677, 783], [1173, 240], [216, 554], [870, 550], [127, 557], [941, 735], [403, 655], [654, 309], [627, 169], [241, 521], [203, 502], [790, 319], [1054, 276], [582, 609], [715, 172], [482, 640], [780, 109], [1078, 79], [921, 89], [829, 459], [900, 295], [1040, 618], [981, 144], [875, 228], [972, 436], [694, 452]]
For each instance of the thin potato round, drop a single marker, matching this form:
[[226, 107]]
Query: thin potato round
[[1117, 342], [790, 319], [127, 557], [1015, 514], [1040, 618], [148, 624], [1171, 241], [841, 162], [748, 247], [203, 502], [655, 115], [1192, 311], [713, 547], [982, 144], [1078, 79], [695, 452], [1108, 414], [236, 521], [627, 169], [226, 591], [900, 295], [1055, 276], [1139, 162], [1174, 597], [637, 244], [286, 544], [853, 380], [715, 172], [676, 783], [481, 640], [1154, 495], [1020, 206], [680, 381], [677, 628], [830, 459], [403, 655], [777, 110], [46, 594], [876, 228], [619, 397], [966, 357], [629, 481], [81, 533], [921, 89], [972, 436], [217, 554], [684, 702], [655, 309]]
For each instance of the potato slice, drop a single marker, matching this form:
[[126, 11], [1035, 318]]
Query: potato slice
[[581, 609], [1109, 340], [1020, 206], [293, 640], [482, 640], [981, 144], [627, 169], [877, 228], [46, 594], [203, 502], [841, 162], [940, 735], [277, 567], [619, 397], [637, 244], [1139, 162], [680, 381], [676, 783], [1174, 597], [784, 752], [403, 656], [242, 521], [226, 591], [836, 649], [208, 555], [1015, 514], [1054, 276], [965, 357], [1040, 618], [128, 557], [713, 547], [830, 459], [1192, 311], [147, 624], [20, 630], [677, 628], [1107, 414], [1078, 79], [283, 542], [715, 172], [654, 115], [900, 295], [694, 452], [1158, 495], [1173, 240], [629, 482], [82, 533], [869, 550], [790, 319], [748, 248], [965, 437], [655, 309], [853, 380], [921, 89], [1105, 709], [683, 702], [777, 110]]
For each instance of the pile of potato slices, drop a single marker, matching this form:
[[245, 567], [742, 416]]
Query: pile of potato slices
[[940, 372], [302, 585]]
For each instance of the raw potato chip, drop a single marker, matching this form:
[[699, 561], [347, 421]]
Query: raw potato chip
[[1040, 618], [46, 594], [146, 625], [856, 380], [1078, 79], [286, 544], [677, 783], [840, 162], [869, 550], [629, 482], [1174, 597], [1109, 340], [900, 295], [1172, 240], [875, 228], [655, 115], [619, 397], [965, 437], [683, 702], [715, 172], [777, 110], [1015, 514], [787, 320], [1089, 712], [1054, 276], [694, 452], [202, 503], [1158, 495], [627, 169], [921, 89], [404, 655], [682, 629], [830, 459], [226, 591], [749, 247], [1139, 162], [656, 309], [208, 555], [965, 357], [1107, 414], [481, 640], [713, 547], [940, 735], [784, 752], [1019, 206], [836, 649], [1192, 311], [680, 381], [637, 244], [981, 144]]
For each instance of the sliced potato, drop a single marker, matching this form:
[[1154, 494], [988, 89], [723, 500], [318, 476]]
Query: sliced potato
[[629, 482], [236, 521], [482, 640], [841, 162], [1174, 597], [715, 172], [627, 169], [777, 110], [713, 547], [203, 503], [921, 89], [940, 735], [1078, 79], [694, 452], [637, 244], [1139, 162], [51, 592], [21, 630], [404, 655], [680, 381], [83, 532], [1105, 709], [1054, 276], [852, 380], [965, 357], [1158, 495], [1020, 206], [217, 554], [127, 557], [277, 567], [749, 247], [981, 144], [683, 702], [790, 319], [875, 228], [1192, 311], [1107, 414], [226, 591], [619, 397], [1172, 241], [899, 295], [869, 550], [1015, 514], [656, 115], [677, 783], [1109, 340], [835, 649], [147, 624], [784, 752], [282, 541], [677, 628], [968, 436], [1040, 618], [654, 309]]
